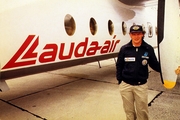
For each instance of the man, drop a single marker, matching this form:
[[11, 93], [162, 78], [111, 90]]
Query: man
[[132, 74]]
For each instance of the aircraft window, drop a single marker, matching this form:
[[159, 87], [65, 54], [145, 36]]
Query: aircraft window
[[124, 28], [156, 30], [144, 29], [93, 26], [110, 27], [69, 24], [150, 30]]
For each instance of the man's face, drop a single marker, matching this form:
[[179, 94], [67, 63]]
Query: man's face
[[136, 37]]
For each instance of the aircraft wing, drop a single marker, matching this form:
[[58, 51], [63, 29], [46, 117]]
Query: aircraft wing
[[139, 2]]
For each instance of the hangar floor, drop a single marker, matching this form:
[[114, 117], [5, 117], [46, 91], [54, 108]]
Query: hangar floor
[[81, 92]]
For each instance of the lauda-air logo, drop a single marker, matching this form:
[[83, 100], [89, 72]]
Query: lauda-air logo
[[27, 54]]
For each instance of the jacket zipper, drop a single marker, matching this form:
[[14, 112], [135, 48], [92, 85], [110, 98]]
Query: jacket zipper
[[136, 49], [136, 68]]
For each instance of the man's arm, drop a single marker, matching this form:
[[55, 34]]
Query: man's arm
[[119, 66], [153, 62]]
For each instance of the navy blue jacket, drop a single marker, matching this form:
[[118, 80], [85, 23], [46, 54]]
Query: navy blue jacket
[[132, 63]]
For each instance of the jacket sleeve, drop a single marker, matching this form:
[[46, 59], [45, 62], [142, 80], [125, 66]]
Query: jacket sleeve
[[120, 66], [153, 62]]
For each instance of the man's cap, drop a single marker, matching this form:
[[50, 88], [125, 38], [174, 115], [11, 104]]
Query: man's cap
[[136, 28]]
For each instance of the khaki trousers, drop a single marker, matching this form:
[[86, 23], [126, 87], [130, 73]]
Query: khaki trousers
[[135, 101]]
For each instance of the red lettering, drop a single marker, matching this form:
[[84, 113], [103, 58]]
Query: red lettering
[[26, 54], [29, 54], [115, 45], [93, 50], [82, 45], [50, 55], [112, 44], [63, 57], [105, 48]]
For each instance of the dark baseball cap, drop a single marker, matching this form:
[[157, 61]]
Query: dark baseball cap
[[136, 28]]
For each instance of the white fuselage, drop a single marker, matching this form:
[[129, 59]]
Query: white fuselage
[[56, 34]]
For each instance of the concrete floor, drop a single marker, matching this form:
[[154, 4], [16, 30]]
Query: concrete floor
[[84, 92]]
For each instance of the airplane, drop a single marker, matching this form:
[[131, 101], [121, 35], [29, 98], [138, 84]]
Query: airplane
[[38, 36]]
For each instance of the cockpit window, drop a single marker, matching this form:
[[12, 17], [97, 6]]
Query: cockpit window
[[93, 26], [69, 24], [110, 27]]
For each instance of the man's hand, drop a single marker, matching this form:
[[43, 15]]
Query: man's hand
[[177, 71]]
